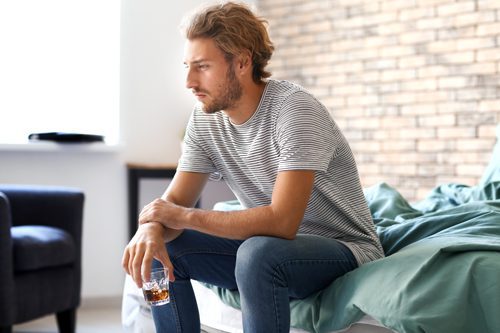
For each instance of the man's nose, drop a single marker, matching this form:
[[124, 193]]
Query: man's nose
[[191, 81]]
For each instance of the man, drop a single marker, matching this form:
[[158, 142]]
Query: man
[[305, 222]]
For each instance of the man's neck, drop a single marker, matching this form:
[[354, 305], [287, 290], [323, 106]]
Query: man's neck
[[247, 104]]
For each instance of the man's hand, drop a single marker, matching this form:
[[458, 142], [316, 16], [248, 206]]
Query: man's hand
[[147, 243], [151, 236], [164, 212]]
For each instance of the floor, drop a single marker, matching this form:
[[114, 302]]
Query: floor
[[94, 316]]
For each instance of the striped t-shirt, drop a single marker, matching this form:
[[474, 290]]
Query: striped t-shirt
[[290, 130]]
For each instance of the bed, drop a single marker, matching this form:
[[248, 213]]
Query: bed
[[441, 272], [215, 315]]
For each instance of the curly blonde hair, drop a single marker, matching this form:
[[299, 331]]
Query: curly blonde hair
[[234, 28]]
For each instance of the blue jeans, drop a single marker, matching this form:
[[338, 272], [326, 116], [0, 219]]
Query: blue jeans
[[267, 272]]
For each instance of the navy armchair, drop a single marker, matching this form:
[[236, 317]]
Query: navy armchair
[[40, 254]]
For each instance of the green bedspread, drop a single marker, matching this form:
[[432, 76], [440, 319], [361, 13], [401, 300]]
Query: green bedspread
[[441, 273]]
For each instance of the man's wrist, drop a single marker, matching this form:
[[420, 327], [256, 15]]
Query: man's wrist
[[188, 218]]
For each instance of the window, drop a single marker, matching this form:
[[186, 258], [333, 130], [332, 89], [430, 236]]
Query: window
[[59, 67]]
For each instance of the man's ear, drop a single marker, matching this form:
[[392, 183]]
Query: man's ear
[[244, 62]]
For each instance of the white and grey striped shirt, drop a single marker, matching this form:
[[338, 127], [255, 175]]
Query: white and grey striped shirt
[[290, 130]]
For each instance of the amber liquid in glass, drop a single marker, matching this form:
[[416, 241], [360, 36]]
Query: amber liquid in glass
[[156, 296]]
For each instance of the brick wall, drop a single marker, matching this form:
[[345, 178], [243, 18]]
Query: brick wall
[[414, 84]]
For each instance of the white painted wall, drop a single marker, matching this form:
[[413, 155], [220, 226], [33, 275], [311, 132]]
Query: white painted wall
[[154, 109], [155, 105]]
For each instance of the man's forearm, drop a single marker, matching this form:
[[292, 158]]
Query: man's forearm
[[239, 224], [281, 218]]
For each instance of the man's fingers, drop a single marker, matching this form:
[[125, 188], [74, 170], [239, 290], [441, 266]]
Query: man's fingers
[[146, 265], [151, 211], [165, 261], [138, 256], [129, 255], [147, 212], [136, 265], [144, 212], [125, 260]]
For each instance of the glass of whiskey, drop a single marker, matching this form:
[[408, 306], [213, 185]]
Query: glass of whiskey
[[156, 289]]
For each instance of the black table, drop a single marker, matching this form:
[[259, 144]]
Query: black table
[[135, 172]]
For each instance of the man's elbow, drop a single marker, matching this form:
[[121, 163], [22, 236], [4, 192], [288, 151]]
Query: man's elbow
[[289, 236], [286, 224], [290, 229]]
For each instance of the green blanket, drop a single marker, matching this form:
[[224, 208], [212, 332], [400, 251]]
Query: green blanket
[[441, 273]]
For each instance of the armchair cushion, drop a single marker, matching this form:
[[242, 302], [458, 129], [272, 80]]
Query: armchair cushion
[[37, 247]]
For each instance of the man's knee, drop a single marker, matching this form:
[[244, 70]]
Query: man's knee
[[253, 257]]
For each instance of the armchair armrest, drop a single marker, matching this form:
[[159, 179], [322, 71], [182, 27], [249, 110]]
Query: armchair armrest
[[7, 271]]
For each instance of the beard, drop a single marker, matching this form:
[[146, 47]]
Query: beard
[[229, 93]]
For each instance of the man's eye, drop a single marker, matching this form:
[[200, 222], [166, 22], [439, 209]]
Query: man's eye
[[203, 66]]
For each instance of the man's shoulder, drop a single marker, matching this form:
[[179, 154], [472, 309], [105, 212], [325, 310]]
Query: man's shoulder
[[280, 93], [284, 87], [288, 96]]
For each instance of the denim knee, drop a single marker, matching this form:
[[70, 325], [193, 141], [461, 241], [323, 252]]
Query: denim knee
[[253, 260]]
